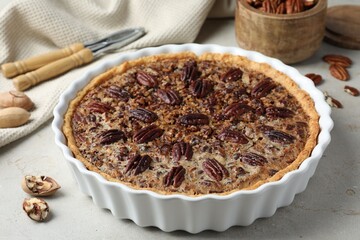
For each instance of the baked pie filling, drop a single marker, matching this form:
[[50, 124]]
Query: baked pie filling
[[194, 125]]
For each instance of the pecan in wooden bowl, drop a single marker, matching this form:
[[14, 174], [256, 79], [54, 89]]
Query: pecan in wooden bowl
[[289, 30], [192, 131]]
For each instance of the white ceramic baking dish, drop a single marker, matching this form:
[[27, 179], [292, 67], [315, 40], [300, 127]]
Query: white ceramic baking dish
[[194, 214]]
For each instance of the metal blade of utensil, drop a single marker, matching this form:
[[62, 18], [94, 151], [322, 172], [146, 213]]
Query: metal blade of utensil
[[79, 58], [116, 40]]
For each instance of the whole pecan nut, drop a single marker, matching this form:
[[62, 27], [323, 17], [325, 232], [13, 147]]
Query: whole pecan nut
[[169, 96], [119, 93], [279, 112], [175, 177], [339, 72], [269, 6], [194, 119], [233, 74], [289, 4], [214, 169], [338, 60], [299, 6], [233, 136], [316, 78], [182, 149], [111, 136], [189, 72], [281, 8], [236, 109], [253, 159], [146, 79], [201, 88], [147, 134], [263, 88], [143, 115], [279, 136], [294, 6], [99, 107], [138, 164]]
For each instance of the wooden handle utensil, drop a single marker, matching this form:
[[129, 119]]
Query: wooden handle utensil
[[13, 69], [53, 69], [52, 64]]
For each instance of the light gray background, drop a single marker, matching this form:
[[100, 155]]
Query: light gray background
[[328, 209]]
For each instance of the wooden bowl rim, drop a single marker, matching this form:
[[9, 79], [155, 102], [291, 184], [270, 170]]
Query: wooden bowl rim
[[320, 5]]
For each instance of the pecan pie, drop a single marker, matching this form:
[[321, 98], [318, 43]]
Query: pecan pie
[[194, 125]]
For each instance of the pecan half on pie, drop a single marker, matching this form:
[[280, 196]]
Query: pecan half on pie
[[194, 125]]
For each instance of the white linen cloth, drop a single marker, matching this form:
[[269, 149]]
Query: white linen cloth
[[29, 28]]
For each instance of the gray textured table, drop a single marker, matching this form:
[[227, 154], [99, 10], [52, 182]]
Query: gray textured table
[[328, 209]]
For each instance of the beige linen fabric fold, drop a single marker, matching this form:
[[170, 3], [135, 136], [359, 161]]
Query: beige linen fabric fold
[[31, 27]]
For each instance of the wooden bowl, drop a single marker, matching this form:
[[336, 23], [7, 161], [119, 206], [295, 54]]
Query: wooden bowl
[[289, 37]]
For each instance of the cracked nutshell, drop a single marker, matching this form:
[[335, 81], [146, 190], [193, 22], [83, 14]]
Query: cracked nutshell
[[36, 209], [39, 186]]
